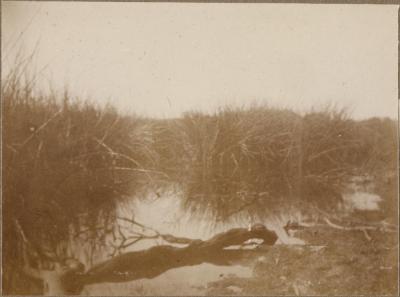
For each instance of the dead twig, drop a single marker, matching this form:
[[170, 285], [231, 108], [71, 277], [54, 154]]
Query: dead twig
[[35, 251], [127, 241], [26, 141], [365, 232], [363, 229]]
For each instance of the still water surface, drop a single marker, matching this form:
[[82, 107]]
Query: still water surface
[[166, 215]]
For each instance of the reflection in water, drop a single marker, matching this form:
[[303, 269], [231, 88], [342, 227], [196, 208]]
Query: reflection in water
[[361, 201], [190, 280], [360, 195], [165, 215]]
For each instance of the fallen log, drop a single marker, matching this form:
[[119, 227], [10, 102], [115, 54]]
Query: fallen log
[[69, 277], [156, 260]]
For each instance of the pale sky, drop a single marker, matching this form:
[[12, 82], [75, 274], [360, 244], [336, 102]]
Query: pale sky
[[160, 59]]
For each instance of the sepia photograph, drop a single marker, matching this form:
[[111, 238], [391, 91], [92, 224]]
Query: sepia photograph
[[199, 149]]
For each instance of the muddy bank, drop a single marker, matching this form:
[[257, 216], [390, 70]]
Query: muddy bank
[[334, 263]]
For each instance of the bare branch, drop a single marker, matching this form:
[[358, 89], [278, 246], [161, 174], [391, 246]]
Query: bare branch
[[357, 228], [40, 128]]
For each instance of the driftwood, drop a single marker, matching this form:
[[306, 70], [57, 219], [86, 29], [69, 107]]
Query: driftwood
[[70, 279], [156, 260], [365, 227]]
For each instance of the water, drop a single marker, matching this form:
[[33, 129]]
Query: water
[[360, 195], [191, 280], [165, 215], [361, 201]]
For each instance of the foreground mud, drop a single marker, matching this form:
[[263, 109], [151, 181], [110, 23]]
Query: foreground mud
[[334, 262]]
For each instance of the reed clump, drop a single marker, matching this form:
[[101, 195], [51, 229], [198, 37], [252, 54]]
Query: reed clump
[[256, 160], [66, 164]]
